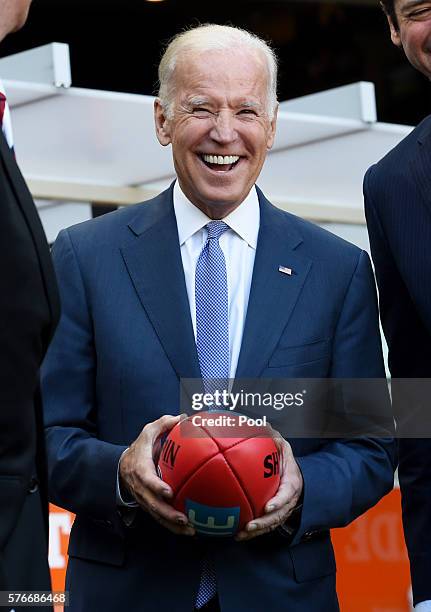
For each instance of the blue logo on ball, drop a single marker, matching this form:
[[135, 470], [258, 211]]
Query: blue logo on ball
[[209, 520]]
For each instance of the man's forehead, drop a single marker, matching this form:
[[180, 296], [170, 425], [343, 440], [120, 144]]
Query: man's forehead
[[190, 59], [198, 76]]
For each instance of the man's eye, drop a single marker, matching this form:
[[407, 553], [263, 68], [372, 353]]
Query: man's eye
[[247, 111], [421, 13], [200, 110]]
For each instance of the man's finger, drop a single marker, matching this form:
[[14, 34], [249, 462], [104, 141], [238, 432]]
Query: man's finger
[[243, 536], [157, 506], [149, 479], [185, 530], [265, 523], [273, 519], [282, 498], [144, 449], [161, 426]]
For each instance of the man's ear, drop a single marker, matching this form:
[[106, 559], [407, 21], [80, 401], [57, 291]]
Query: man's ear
[[163, 125], [272, 129], [395, 32]]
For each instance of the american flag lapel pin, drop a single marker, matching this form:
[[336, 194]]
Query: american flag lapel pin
[[285, 270]]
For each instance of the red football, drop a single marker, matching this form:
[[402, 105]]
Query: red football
[[222, 469]]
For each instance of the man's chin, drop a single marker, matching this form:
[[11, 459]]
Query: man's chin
[[218, 206], [21, 20], [424, 67]]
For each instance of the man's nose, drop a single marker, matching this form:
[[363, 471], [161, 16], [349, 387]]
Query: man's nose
[[223, 130]]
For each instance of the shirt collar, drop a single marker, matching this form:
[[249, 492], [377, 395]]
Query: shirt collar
[[244, 220]]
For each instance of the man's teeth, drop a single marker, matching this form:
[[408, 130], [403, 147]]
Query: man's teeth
[[219, 159]]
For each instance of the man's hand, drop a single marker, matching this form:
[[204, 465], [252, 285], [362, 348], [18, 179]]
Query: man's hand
[[138, 475], [279, 508]]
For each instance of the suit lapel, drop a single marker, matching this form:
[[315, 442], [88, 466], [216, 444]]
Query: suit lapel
[[273, 294], [31, 216], [421, 163], [153, 261]]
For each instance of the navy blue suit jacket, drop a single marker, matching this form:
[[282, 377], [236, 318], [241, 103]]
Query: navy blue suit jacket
[[124, 341], [398, 209]]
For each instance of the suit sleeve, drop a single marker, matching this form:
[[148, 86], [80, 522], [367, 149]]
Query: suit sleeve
[[348, 476], [409, 357], [82, 468], [401, 322]]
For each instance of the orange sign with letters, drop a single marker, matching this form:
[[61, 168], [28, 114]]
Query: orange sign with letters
[[373, 569]]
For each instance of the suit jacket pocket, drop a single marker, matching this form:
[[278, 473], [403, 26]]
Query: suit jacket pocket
[[295, 355], [313, 559], [95, 540]]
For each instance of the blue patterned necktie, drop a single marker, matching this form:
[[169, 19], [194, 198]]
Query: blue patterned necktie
[[212, 313], [212, 342]]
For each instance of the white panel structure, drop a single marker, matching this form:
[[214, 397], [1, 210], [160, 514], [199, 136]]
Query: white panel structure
[[58, 215], [355, 101], [85, 145], [102, 138], [49, 64], [89, 137]]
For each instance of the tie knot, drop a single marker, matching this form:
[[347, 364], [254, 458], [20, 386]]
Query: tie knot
[[216, 229]]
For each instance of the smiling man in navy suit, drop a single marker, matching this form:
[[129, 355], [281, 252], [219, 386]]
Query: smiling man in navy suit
[[398, 209], [196, 283]]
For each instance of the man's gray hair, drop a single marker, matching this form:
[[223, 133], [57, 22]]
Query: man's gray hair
[[210, 37]]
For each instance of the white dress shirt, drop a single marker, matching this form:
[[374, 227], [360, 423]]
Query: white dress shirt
[[239, 247]]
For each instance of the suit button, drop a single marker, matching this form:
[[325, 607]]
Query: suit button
[[33, 485]]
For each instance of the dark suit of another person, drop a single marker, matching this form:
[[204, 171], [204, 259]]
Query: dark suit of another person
[[398, 209], [29, 310]]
